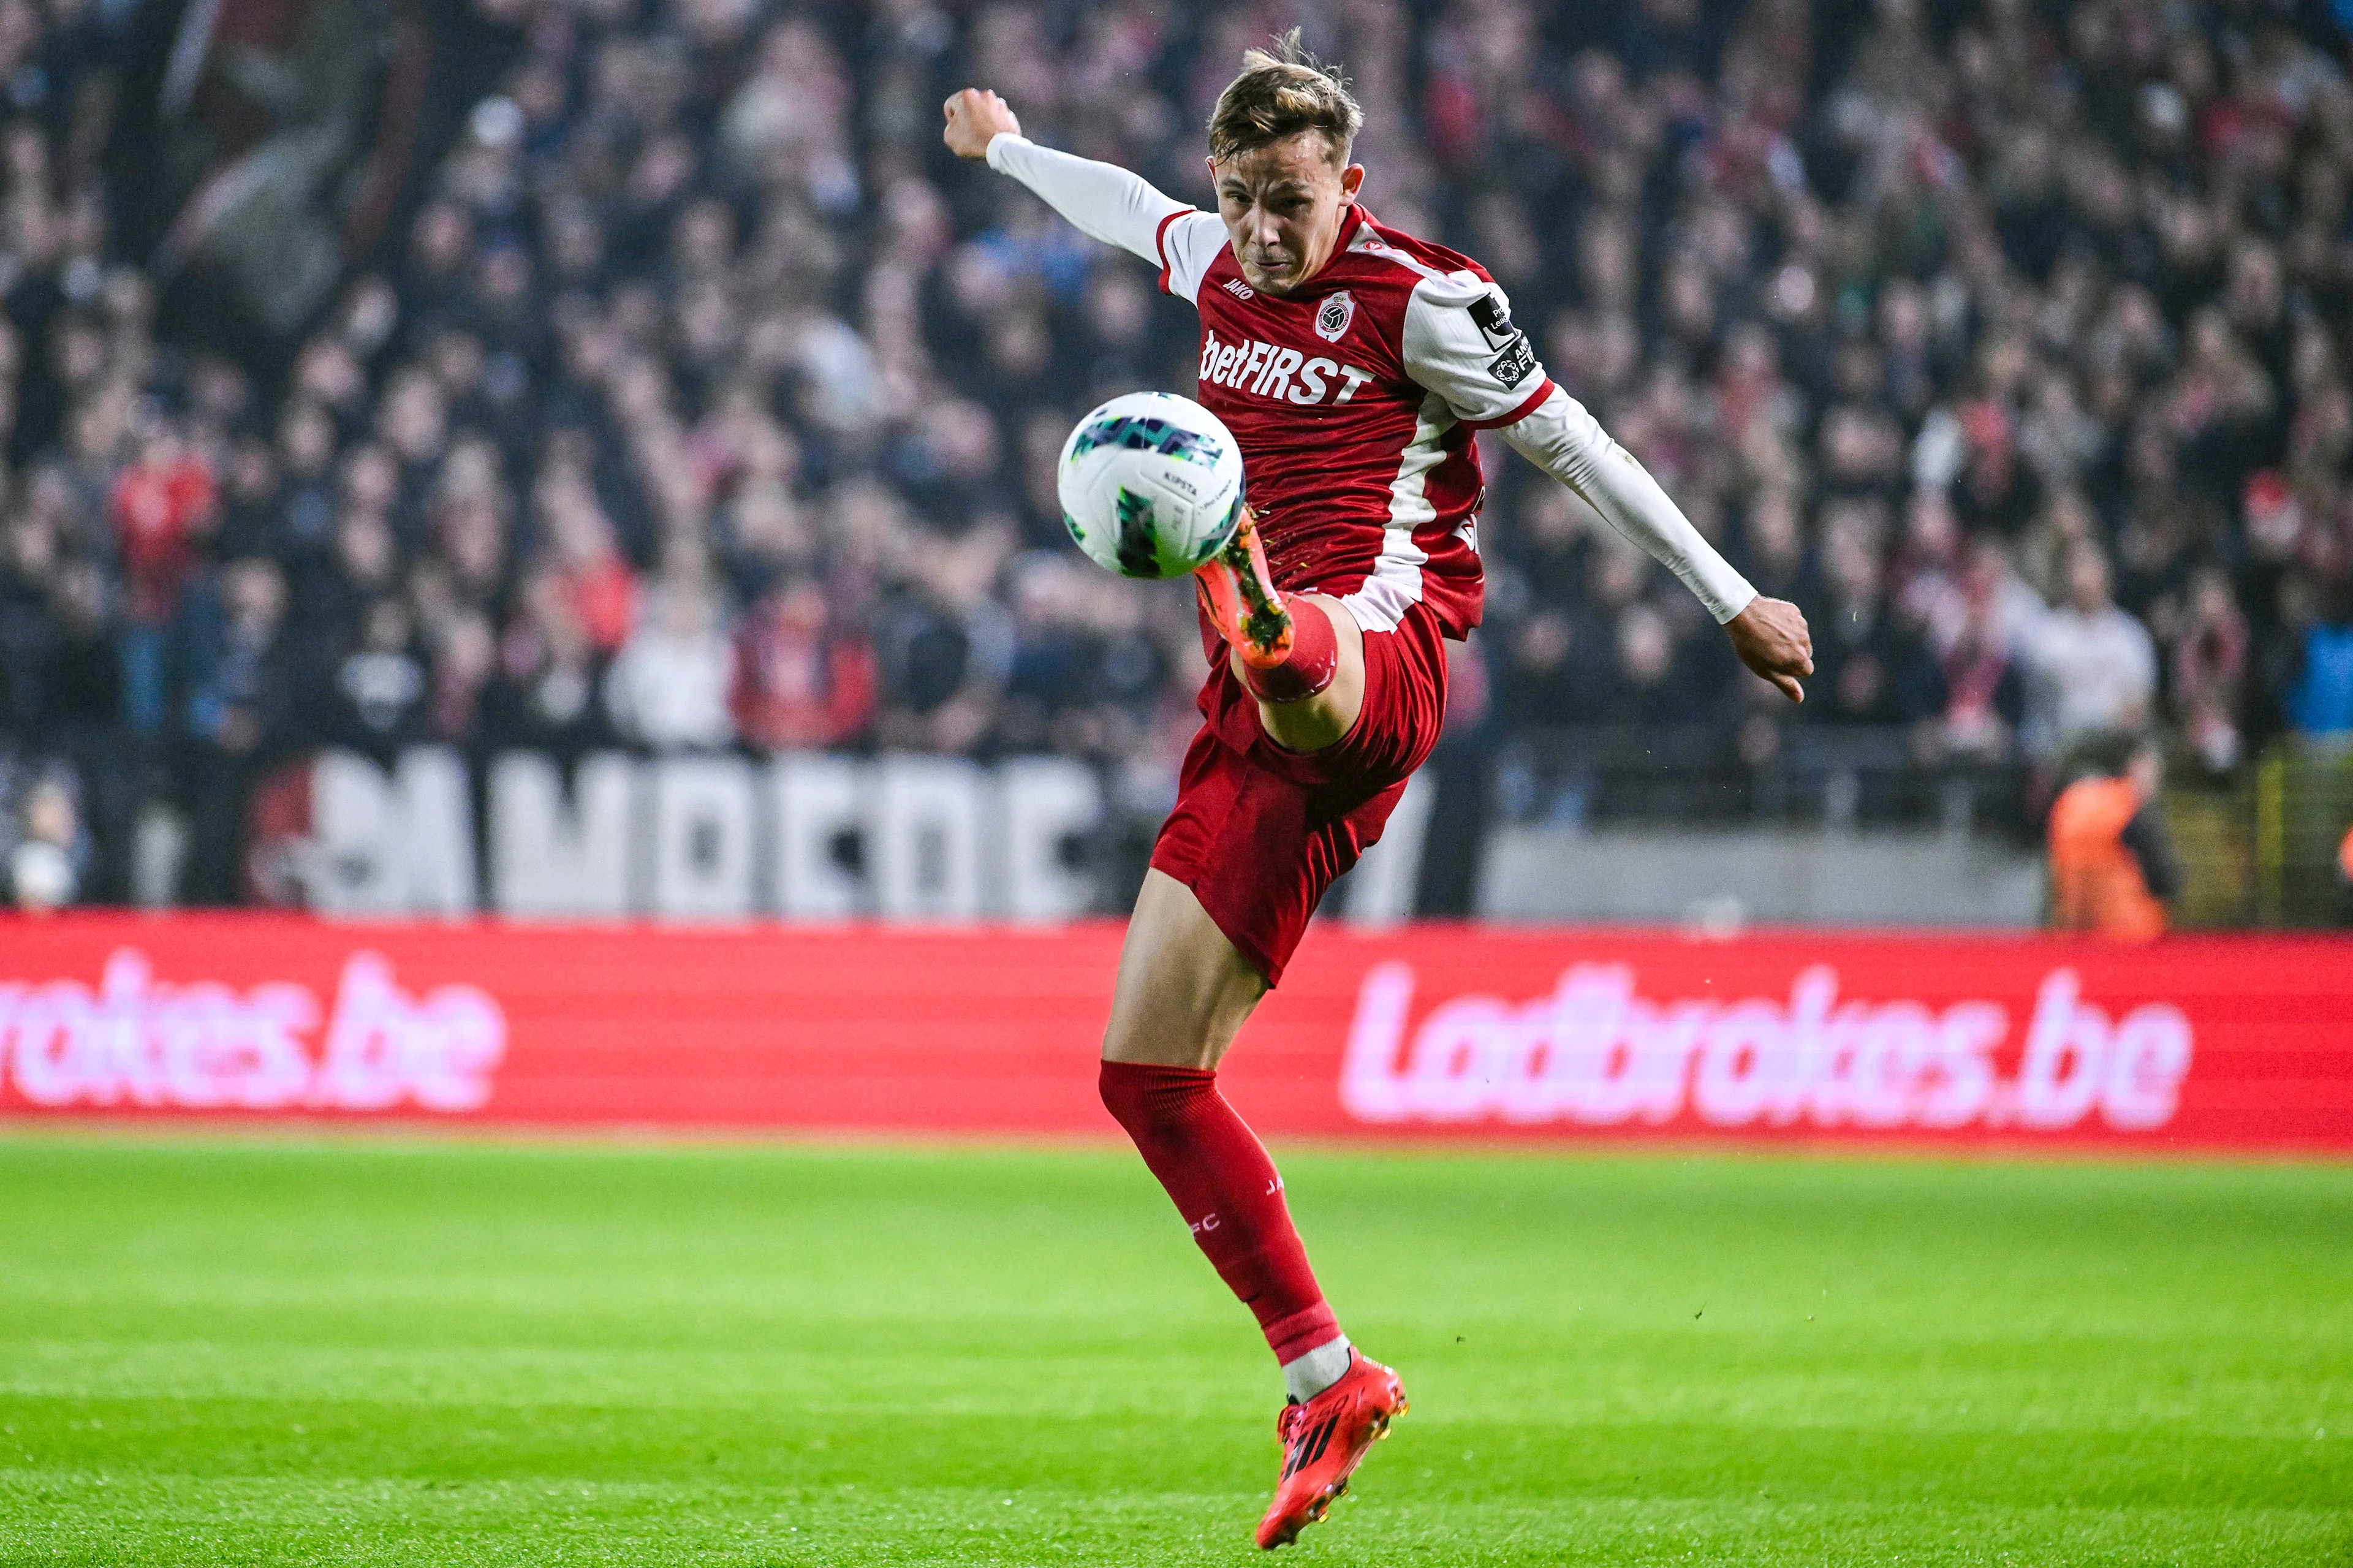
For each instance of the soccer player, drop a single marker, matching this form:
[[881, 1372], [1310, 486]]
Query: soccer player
[[1353, 364]]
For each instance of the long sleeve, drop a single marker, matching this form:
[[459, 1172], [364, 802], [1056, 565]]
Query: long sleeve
[[1101, 201], [1560, 437]]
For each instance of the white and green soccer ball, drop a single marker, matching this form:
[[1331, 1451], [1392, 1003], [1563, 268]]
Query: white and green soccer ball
[[1151, 485]]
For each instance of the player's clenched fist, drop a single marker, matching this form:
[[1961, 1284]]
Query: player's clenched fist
[[1771, 638], [974, 115]]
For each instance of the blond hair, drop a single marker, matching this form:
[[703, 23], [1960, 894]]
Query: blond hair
[[1282, 91]]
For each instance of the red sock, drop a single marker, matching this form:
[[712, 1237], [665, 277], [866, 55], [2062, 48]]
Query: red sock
[[1315, 657], [1227, 1189]]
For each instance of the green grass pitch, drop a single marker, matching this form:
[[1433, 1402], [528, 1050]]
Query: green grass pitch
[[238, 1351]]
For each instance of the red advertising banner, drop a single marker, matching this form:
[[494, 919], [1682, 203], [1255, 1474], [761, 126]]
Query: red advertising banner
[[2194, 1043]]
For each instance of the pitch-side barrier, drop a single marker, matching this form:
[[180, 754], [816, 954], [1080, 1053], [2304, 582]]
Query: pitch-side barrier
[[2193, 1044]]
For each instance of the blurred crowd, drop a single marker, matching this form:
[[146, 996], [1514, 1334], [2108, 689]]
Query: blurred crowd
[[2006, 340], [706, 402]]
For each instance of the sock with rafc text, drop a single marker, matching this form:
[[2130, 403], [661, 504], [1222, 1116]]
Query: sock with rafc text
[[1225, 1187]]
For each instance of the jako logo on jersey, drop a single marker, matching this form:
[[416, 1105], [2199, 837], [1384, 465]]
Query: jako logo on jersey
[[1240, 289], [1284, 375], [1332, 317]]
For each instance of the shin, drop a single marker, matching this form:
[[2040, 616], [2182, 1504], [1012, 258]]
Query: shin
[[1183, 993]]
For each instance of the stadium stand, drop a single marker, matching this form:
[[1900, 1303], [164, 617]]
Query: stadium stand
[[695, 400]]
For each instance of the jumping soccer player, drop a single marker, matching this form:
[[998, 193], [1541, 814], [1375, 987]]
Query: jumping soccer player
[[1353, 364]]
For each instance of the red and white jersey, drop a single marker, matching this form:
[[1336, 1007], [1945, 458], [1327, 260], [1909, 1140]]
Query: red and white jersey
[[1354, 400]]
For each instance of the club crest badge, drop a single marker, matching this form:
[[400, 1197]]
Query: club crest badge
[[1333, 316]]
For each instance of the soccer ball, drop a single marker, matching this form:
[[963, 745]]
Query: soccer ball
[[1151, 485]]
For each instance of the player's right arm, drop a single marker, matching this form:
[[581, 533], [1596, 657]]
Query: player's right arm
[[1102, 201]]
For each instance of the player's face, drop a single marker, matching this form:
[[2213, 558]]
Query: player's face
[[1282, 203]]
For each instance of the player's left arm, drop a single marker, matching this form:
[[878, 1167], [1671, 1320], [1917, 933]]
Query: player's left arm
[[1102, 201], [1559, 436], [1460, 343]]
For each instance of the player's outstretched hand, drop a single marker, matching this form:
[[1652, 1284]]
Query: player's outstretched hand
[[1771, 638], [974, 115]]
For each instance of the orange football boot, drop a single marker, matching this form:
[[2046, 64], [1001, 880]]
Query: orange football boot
[[1239, 593], [1323, 1441]]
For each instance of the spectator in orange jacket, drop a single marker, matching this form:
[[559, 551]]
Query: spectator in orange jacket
[[2112, 865]]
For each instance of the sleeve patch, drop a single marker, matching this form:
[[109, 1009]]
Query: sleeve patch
[[1494, 321], [1514, 365]]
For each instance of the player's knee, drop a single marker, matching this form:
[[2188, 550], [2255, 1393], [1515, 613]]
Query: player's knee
[[1312, 720], [1143, 1095], [1126, 1088]]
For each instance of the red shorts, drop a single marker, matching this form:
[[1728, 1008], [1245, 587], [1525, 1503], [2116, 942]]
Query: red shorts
[[1259, 833]]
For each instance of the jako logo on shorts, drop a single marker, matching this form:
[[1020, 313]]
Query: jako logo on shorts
[[1595, 1053]]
